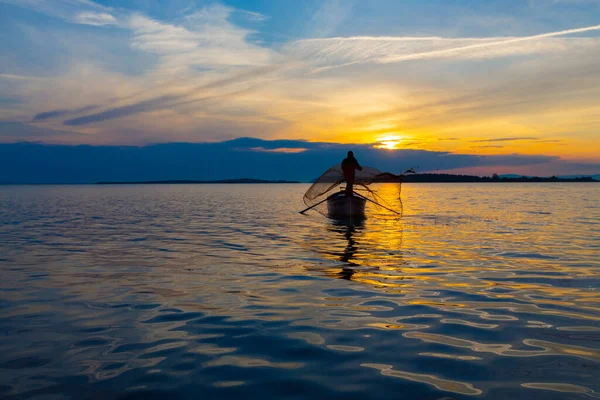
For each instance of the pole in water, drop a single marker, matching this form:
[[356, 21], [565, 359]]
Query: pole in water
[[374, 202], [313, 206]]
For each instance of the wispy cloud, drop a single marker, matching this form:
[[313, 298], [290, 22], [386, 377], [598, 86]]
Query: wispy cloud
[[190, 95], [21, 77], [328, 17], [95, 18], [547, 2], [254, 16], [49, 114], [286, 150], [207, 39], [344, 51], [123, 111], [78, 11], [61, 113], [11, 131], [507, 139], [177, 43]]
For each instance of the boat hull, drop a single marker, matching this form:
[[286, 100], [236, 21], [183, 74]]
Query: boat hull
[[341, 206]]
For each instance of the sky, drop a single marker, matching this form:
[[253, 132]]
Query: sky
[[512, 86]]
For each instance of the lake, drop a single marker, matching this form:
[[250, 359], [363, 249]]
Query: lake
[[225, 291]]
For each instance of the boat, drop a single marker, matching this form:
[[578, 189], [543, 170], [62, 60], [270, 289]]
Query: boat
[[340, 205]]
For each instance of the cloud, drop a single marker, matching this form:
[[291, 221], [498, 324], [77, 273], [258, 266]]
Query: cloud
[[206, 40], [254, 16], [230, 159], [122, 111], [11, 131], [288, 150], [547, 2], [202, 76], [21, 77], [174, 42], [78, 11], [10, 101], [60, 113], [508, 139], [190, 95], [328, 17], [94, 18], [49, 114], [344, 51], [521, 92]]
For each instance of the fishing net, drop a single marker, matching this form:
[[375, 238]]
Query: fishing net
[[329, 183]]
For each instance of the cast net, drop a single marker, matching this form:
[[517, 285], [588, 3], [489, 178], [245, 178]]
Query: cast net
[[332, 181]]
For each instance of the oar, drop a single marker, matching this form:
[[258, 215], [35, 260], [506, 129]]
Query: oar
[[374, 202], [313, 206]]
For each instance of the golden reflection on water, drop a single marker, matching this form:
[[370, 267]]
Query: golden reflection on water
[[442, 384], [562, 387], [385, 254], [246, 362], [372, 253]]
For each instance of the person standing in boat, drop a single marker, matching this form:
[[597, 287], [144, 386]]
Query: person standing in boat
[[349, 167]]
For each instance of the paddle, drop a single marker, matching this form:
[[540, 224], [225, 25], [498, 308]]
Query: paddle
[[313, 206]]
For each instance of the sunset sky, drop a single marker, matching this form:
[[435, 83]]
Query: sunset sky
[[452, 77]]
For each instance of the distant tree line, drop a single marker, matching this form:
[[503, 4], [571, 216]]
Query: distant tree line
[[494, 178]]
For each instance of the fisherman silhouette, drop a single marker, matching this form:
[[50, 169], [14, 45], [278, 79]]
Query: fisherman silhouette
[[349, 167]]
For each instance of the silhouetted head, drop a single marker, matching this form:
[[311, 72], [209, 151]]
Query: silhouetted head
[[350, 154]]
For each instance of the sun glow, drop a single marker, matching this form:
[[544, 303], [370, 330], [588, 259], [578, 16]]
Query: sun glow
[[390, 142]]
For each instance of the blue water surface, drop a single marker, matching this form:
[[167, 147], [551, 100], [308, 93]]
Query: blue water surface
[[225, 291]]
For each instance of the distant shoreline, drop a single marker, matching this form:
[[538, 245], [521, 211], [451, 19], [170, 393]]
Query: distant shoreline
[[183, 181], [418, 178]]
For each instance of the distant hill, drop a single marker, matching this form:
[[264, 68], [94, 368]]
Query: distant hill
[[512, 176], [594, 177]]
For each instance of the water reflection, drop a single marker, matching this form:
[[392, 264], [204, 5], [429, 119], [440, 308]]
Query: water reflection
[[201, 290], [367, 250], [349, 230]]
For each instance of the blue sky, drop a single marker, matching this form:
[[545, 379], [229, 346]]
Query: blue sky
[[489, 78]]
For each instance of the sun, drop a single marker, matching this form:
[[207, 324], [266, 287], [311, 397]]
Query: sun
[[389, 142]]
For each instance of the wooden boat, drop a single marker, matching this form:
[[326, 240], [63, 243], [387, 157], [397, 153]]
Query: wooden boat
[[339, 205]]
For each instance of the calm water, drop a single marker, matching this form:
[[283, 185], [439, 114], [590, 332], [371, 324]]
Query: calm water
[[210, 291]]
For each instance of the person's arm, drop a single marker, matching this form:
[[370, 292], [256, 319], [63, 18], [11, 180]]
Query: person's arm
[[358, 167]]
